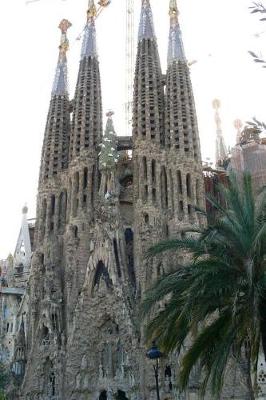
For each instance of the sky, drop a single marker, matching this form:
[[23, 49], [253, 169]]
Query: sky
[[216, 33]]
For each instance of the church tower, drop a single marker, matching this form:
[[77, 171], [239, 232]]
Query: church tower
[[45, 319], [86, 130], [168, 181], [185, 185], [148, 141], [55, 158]]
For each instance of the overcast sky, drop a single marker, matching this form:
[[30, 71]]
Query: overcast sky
[[216, 33]]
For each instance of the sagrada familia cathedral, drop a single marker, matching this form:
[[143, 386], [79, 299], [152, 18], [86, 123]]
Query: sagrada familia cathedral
[[102, 201]]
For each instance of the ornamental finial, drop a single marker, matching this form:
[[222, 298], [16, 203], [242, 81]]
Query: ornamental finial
[[173, 12], [64, 44], [176, 50], [92, 11], [109, 114], [25, 209]]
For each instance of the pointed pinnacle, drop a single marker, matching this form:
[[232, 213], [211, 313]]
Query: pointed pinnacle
[[64, 43], [146, 28], [92, 12], [60, 81], [64, 25], [173, 12]]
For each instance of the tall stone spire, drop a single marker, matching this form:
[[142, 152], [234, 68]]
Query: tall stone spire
[[56, 137], [89, 40], [86, 130], [180, 114], [148, 103], [60, 86], [175, 46], [221, 151], [181, 130], [146, 27]]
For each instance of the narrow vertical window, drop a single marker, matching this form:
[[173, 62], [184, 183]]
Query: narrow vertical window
[[179, 182], [164, 188], [145, 171], [92, 185], [85, 178], [153, 172], [188, 183], [197, 192], [117, 261]]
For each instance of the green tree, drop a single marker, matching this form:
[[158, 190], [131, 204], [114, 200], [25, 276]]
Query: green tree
[[217, 301], [4, 380]]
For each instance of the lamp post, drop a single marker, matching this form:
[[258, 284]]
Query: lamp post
[[154, 354]]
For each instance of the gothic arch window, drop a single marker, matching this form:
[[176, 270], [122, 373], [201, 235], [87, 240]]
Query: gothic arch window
[[181, 210], [52, 205], [164, 188], [62, 209], [103, 395], [145, 171], [76, 191], [129, 239], [92, 184], [76, 232], [188, 184], [172, 190], [179, 182], [197, 192], [85, 178], [44, 214], [153, 171], [55, 323], [101, 274], [44, 334], [146, 218], [117, 261]]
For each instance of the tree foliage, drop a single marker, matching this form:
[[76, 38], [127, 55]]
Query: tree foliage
[[219, 297], [258, 8]]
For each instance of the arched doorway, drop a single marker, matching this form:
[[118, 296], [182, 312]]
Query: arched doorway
[[120, 395], [103, 395]]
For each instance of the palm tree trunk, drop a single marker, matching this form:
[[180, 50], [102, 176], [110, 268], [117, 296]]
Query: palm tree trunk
[[249, 385], [246, 370]]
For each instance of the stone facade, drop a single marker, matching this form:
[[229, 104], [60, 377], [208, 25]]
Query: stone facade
[[249, 155], [99, 209], [13, 296]]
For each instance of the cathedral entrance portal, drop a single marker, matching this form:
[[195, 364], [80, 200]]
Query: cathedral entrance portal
[[103, 395]]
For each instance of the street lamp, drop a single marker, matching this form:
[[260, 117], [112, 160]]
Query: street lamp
[[155, 354]]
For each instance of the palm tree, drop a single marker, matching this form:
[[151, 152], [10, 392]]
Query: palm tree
[[217, 301]]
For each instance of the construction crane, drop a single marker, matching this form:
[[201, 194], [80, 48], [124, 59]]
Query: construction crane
[[129, 69], [129, 56], [101, 5]]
